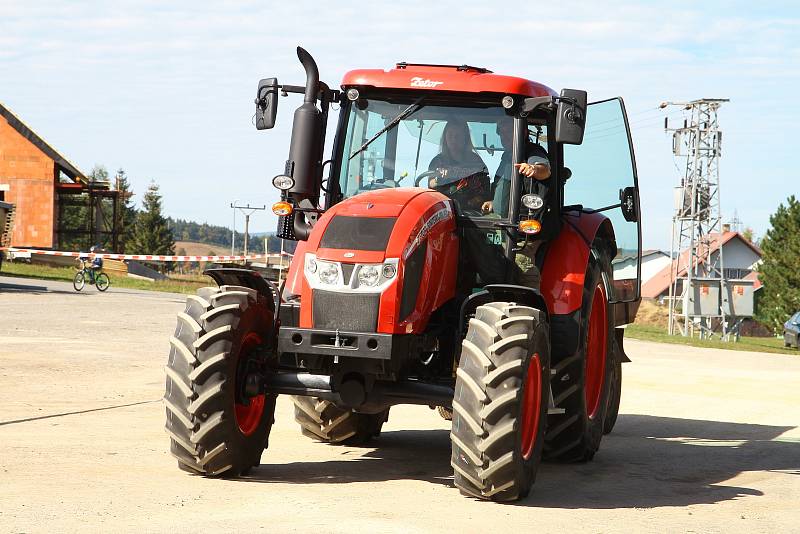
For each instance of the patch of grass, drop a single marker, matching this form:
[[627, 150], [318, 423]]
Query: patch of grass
[[187, 285], [753, 344]]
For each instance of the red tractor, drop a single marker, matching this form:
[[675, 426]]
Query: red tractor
[[476, 250]]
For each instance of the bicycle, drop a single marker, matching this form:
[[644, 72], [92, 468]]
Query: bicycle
[[87, 274]]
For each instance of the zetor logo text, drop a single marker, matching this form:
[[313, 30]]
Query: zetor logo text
[[416, 81]]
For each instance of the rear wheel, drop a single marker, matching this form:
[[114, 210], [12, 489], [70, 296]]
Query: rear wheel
[[102, 282], [79, 281], [581, 381], [324, 421], [614, 398], [218, 425], [500, 402]]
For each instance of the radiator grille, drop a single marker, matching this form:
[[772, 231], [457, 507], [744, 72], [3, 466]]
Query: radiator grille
[[349, 312]]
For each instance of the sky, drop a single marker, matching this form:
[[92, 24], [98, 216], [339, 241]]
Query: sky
[[165, 90]]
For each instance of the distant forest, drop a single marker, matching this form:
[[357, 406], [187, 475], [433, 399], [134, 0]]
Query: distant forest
[[219, 235]]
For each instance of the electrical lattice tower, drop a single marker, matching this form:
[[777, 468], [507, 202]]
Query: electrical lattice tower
[[697, 283]]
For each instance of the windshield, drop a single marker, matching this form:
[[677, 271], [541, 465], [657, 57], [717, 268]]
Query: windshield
[[454, 149]]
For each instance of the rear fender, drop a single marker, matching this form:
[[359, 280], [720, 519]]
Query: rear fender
[[567, 259]]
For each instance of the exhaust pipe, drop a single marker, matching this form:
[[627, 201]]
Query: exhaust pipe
[[312, 75], [305, 153]]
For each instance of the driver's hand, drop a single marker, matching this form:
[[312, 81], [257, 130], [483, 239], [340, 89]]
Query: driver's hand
[[537, 171], [487, 207]]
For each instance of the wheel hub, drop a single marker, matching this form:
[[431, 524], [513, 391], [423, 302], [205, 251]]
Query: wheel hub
[[531, 406], [596, 344], [250, 399]]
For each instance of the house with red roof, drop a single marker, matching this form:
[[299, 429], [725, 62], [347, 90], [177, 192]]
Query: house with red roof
[[740, 258]]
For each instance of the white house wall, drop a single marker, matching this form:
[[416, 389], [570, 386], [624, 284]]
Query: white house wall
[[651, 264], [737, 255]]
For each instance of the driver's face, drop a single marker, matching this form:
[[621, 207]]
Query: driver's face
[[455, 139], [506, 132]]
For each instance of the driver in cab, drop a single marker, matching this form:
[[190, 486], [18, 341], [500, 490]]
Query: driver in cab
[[461, 174]]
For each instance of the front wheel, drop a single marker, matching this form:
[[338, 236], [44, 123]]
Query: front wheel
[[217, 421], [102, 282], [500, 402], [79, 281]]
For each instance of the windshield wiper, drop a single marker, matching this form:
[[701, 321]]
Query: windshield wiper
[[391, 124]]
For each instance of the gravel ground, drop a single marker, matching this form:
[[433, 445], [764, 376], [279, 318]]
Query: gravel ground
[[707, 441]]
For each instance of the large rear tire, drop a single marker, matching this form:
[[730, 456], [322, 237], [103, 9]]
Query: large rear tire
[[581, 381], [614, 397], [500, 403], [322, 420], [216, 429]]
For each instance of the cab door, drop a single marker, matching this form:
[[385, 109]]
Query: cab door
[[604, 178]]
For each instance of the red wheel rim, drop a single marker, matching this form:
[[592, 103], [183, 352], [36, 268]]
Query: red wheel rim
[[249, 416], [531, 406], [596, 344]]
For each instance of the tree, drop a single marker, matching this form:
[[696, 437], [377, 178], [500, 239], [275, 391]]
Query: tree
[[779, 272], [151, 234], [99, 173], [127, 213]]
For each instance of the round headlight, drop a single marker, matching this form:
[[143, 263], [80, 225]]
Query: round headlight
[[352, 95], [533, 202], [507, 102], [328, 273], [389, 270], [368, 275], [311, 266], [283, 182]]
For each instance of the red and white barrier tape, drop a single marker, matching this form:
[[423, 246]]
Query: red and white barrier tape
[[142, 257]]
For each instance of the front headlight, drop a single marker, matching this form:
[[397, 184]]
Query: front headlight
[[328, 273], [369, 275]]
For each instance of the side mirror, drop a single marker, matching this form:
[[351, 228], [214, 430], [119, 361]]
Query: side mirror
[[628, 203], [266, 103], [571, 117]]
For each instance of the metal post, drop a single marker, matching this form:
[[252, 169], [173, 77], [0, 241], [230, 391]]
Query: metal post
[[233, 230], [246, 231]]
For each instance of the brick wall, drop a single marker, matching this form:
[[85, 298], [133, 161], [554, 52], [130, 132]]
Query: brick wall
[[30, 175]]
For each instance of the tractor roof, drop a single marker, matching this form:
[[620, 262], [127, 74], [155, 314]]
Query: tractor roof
[[463, 78]]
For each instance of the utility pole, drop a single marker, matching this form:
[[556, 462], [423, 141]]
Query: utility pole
[[233, 230], [247, 211], [697, 292]]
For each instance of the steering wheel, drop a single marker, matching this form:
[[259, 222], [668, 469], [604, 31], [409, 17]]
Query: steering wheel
[[426, 174]]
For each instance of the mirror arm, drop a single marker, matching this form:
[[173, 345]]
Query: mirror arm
[[606, 208]]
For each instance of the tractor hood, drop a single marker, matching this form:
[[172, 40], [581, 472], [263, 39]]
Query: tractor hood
[[376, 225], [405, 237]]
